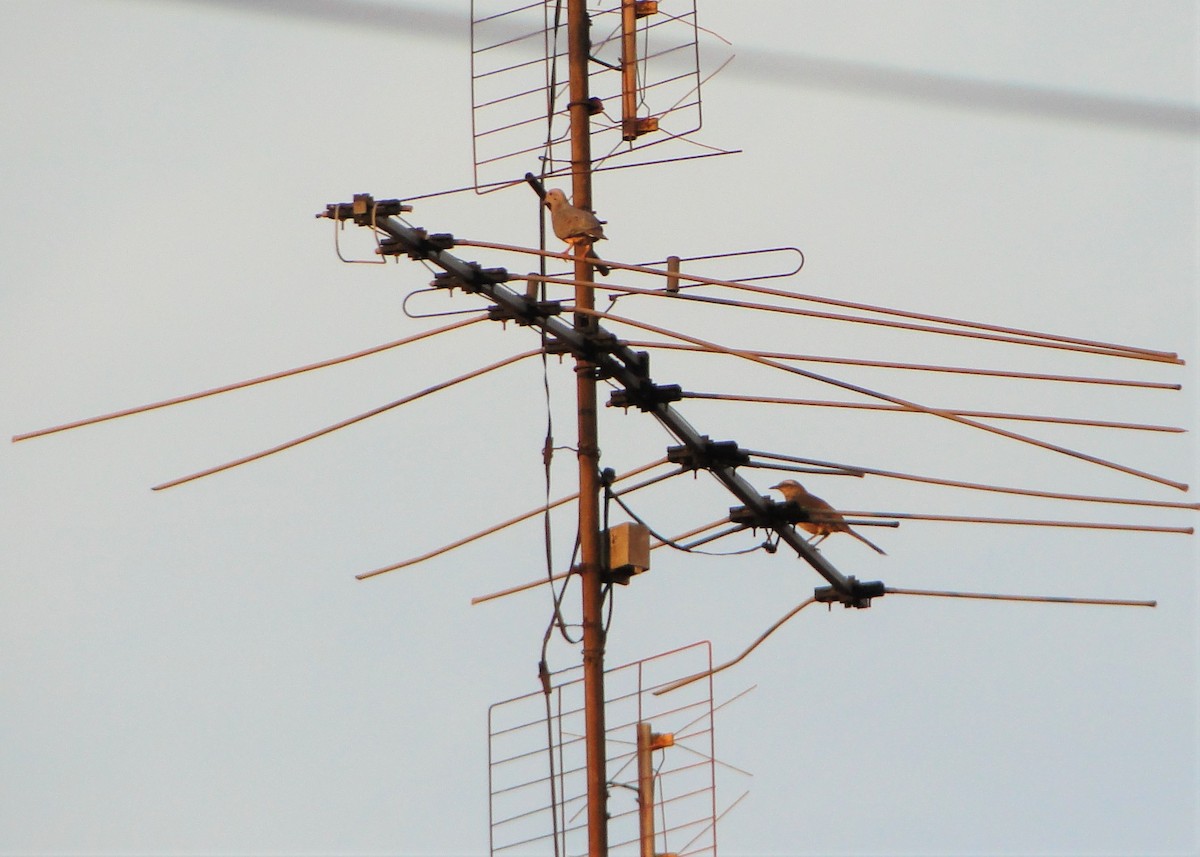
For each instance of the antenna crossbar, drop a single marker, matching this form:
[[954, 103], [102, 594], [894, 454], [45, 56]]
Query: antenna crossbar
[[614, 360]]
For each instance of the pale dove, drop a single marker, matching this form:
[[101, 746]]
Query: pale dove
[[826, 519], [576, 226]]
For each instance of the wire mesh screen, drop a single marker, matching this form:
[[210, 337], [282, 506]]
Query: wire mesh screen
[[519, 92], [537, 769]]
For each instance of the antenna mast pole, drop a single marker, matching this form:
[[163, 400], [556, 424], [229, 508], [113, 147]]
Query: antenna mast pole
[[590, 563]]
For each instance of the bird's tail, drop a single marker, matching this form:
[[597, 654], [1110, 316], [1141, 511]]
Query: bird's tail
[[867, 542], [601, 269]]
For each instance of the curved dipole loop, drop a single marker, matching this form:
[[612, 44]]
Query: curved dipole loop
[[416, 315], [675, 685], [338, 224]]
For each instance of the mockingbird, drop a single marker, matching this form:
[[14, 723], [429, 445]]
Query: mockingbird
[[576, 226], [826, 520]]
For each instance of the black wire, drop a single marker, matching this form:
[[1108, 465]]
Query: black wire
[[764, 546], [556, 618], [607, 595], [605, 563], [609, 494], [549, 448], [547, 457]]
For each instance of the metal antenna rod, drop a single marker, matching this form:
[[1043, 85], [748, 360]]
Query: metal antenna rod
[[620, 363]]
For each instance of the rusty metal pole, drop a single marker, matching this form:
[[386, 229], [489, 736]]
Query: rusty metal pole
[[629, 121], [645, 769], [591, 573]]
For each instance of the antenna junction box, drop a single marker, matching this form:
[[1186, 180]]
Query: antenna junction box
[[628, 551]]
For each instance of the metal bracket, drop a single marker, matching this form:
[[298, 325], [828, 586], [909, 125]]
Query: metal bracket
[[365, 210], [452, 280], [645, 396], [786, 512], [425, 245], [537, 312], [714, 453], [859, 596]]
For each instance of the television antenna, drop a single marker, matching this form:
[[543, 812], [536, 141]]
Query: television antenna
[[640, 72], [376, 228]]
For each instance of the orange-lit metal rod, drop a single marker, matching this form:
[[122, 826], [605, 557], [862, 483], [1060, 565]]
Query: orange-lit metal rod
[[974, 486], [508, 361], [1144, 353], [1049, 599], [994, 415], [972, 331], [712, 537], [520, 587], [1060, 343], [717, 819], [1024, 522], [895, 400], [237, 385], [675, 685], [554, 578], [920, 367], [524, 517], [692, 532]]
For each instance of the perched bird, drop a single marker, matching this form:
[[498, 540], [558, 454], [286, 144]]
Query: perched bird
[[826, 519], [576, 226]]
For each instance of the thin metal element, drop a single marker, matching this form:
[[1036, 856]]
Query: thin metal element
[[337, 247], [737, 528], [1117, 602], [965, 330], [728, 702], [793, 468], [533, 584], [521, 587], [525, 516], [673, 268], [1023, 522], [974, 486], [1023, 335], [442, 314], [693, 532], [674, 264], [238, 385], [1149, 353], [683, 852], [675, 685], [993, 415], [348, 422], [845, 385], [1049, 599], [919, 367]]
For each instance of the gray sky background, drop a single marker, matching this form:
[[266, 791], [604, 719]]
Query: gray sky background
[[196, 671]]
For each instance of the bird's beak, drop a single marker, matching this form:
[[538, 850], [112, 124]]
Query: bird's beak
[[776, 486]]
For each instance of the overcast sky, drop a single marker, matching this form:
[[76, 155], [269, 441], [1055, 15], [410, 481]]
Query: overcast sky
[[197, 670]]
